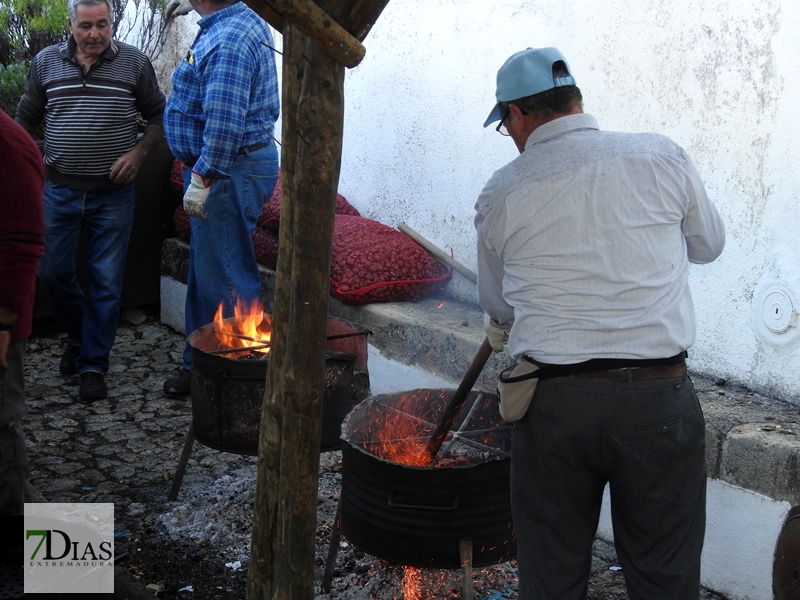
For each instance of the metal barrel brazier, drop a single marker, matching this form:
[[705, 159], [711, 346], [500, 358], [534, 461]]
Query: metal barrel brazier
[[227, 394], [417, 515]]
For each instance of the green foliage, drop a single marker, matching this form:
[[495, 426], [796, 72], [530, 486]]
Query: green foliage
[[27, 26], [12, 84]]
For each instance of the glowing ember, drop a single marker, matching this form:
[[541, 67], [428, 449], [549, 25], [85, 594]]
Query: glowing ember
[[427, 584], [398, 428], [412, 580], [401, 439], [249, 329]]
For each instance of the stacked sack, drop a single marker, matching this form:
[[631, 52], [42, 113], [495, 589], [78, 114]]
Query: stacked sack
[[370, 262]]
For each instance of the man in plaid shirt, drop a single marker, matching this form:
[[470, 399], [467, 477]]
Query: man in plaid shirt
[[219, 121]]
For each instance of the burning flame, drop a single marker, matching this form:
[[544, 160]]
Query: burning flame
[[427, 584], [402, 436], [412, 583], [398, 428], [250, 328]]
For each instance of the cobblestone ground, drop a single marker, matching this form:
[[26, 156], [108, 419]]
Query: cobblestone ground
[[125, 450]]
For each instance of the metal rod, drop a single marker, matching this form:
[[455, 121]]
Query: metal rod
[[446, 448], [459, 397], [464, 440], [438, 253], [459, 435], [267, 343], [242, 336], [179, 472], [333, 549], [465, 553], [229, 350]]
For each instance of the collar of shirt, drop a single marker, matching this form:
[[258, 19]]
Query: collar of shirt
[[221, 14], [560, 126], [67, 50]]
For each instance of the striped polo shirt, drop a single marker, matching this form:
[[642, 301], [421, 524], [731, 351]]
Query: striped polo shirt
[[90, 118]]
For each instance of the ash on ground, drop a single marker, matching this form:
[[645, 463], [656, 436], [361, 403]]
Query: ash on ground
[[220, 514], [125, 449]]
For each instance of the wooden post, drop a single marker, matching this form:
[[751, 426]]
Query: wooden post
[[284, 525], [267, 12], [265, 542], [323, 26], [363, 16]]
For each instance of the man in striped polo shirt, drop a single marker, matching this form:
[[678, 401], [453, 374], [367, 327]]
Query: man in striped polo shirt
[[90, 91]]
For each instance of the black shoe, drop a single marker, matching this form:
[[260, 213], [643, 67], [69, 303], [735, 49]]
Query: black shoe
[[67, 365], [180, 385], [93, 386]]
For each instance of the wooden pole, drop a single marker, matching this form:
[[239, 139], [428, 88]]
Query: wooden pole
[[343, 44], [267, 12], [266, 536], [323, 26], [363, 16], [284, 526]]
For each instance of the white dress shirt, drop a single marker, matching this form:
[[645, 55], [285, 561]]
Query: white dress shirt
[[585, 240]]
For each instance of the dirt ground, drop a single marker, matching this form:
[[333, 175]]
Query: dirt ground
[[198, 567], [125, 450]]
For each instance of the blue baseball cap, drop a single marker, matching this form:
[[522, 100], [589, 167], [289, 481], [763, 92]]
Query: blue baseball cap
[[527, 73]]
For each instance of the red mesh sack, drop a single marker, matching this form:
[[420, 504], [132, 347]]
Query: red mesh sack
[[372, 262], [271, 212], [176, 177], [265, 243], [182, 224]]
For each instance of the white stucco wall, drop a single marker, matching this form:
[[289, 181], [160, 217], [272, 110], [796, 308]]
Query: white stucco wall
[[721, 78]]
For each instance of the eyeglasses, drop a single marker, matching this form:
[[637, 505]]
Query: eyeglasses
[[501, 126]]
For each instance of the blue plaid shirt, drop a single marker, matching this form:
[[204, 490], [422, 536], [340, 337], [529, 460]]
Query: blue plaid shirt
[[224, 93]]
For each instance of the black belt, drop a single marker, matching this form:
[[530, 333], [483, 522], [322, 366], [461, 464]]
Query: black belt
[[252, 148], [637, 373], [616, 369]]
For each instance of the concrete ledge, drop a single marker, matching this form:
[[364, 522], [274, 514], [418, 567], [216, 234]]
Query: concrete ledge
[[763, 457]]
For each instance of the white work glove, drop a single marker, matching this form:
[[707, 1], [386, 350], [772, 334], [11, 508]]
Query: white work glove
[[177, 8], [497, 336], [196, 195]]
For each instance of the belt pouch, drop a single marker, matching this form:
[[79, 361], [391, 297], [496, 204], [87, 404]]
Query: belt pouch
[[516, 386]]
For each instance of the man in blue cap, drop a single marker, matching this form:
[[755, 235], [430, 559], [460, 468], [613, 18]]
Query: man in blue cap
[[584, 246]]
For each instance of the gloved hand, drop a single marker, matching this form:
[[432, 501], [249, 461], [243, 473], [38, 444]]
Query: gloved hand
[[196, 195], [177, 8], [497, 336]]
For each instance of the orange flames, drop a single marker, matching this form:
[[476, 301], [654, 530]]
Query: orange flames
[[403, 434], [249, 329], [427, 584], [412, 583]]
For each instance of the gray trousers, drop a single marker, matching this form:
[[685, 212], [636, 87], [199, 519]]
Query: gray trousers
[[13, 456], [646, 440]]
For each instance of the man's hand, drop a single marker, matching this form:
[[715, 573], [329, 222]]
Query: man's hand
[[126, 167], [196, 195], [497, 336], [177, 8], [5, 338]]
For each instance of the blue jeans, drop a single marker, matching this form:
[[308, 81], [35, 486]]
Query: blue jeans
[[90, 319], [222, 261]]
